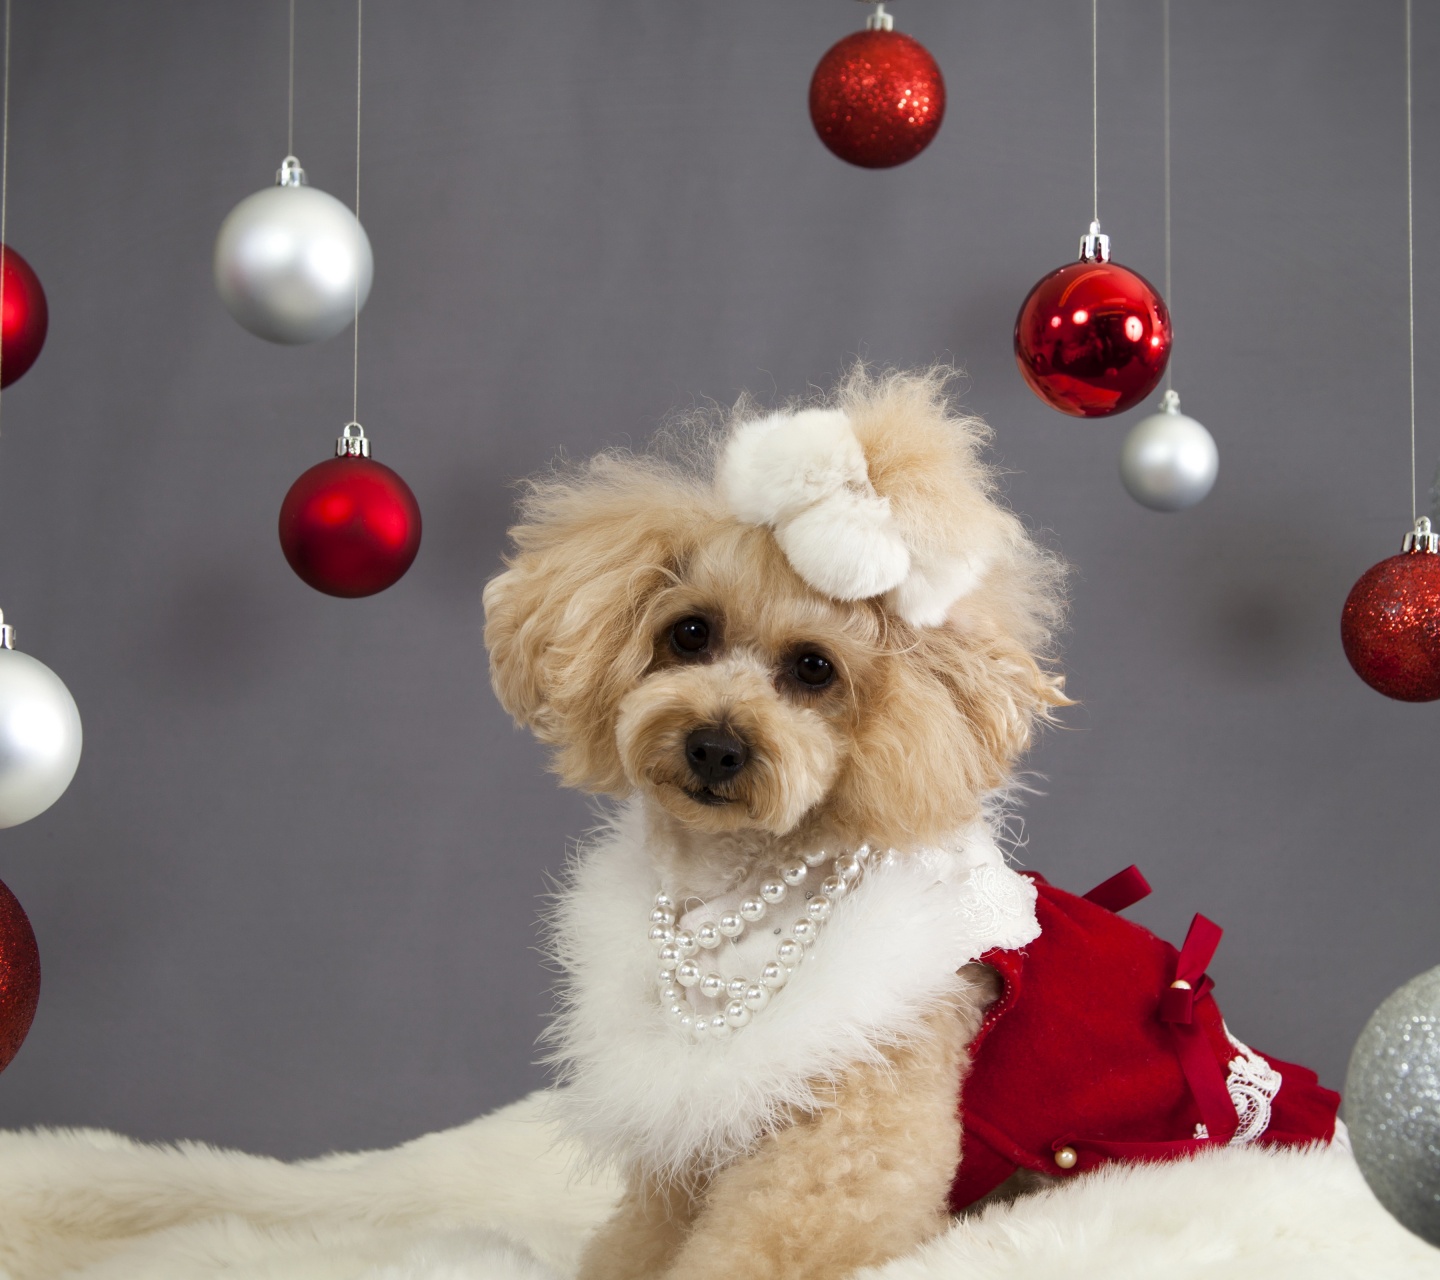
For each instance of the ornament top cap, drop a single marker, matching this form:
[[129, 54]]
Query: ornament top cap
[[879, 20], [356, 446], [1094, 245], [1170, 401], [1422, 539], [290, 174], [7, 633]]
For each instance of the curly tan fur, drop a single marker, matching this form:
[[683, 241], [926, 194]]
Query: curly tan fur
[[900, 749], [855, 1184]]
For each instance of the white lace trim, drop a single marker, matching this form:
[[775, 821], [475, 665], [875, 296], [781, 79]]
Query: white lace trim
[[999, 904], [1252, 1085]]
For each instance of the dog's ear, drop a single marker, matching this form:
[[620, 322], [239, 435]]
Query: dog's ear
[[944, 723], [567, 624]]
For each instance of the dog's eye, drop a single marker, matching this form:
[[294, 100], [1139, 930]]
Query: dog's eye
[[814, 669], [690, 635]]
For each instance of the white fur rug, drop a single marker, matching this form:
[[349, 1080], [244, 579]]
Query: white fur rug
[[495, 1200]]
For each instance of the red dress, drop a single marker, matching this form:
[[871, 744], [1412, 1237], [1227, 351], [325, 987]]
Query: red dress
[[1106, 1044]]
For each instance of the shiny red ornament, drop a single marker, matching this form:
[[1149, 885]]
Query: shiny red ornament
[[1093, 338], [24, 317], [19, 976], [877, 98], [1390, 625], [350, 526]]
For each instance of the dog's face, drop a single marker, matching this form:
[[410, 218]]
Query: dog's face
[[746, 714], [663, 645]]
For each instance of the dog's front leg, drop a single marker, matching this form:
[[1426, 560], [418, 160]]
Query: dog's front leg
[[855, 1184], [642, 1235]]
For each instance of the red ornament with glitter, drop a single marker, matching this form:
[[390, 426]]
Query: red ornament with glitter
[[1093, 338], [877, 98], [1390, 625], [19, 976], [350, 526], [25, 317]]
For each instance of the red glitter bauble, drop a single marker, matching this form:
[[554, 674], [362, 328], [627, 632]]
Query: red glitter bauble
[[1092, 339], [877, 98], [24, 319], [1390, 626], [19, 976], [350, 527]]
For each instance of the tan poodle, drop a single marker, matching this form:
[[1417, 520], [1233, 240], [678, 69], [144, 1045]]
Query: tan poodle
[[803, 653]]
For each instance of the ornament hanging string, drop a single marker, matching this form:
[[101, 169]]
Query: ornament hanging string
[[355, 367], [1169, 301], [1095, 105], [1409, 237], [290, 125]]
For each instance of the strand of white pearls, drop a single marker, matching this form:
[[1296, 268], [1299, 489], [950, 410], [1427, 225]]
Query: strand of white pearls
[[678, 948]]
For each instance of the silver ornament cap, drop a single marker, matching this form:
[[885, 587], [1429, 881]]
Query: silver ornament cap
[[1095, 245], [352, 446], [1392, 1104], [1421, 538], [879, 20], [40, 735], [291, 262], [1169, 461]]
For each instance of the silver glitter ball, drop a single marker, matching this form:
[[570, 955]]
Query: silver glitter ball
[[1392, 1104], [291, 261], [1169, 461]]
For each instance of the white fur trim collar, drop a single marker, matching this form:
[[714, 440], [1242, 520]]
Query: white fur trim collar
[[804, 475], [642, 1093]]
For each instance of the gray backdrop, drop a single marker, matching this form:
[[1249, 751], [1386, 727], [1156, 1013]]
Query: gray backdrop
[[289, 900]]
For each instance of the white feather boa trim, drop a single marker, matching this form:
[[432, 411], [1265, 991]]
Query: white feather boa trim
[[641, 1093]]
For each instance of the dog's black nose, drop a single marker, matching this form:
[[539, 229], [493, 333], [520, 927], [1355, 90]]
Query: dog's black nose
[[715, 754]]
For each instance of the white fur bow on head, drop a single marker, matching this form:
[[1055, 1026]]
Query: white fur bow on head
[[804, 475]]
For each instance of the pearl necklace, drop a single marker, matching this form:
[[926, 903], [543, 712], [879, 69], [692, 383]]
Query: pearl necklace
[[678, 948]]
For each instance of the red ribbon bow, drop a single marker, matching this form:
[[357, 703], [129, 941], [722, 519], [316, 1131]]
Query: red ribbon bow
[[1203, 1071]]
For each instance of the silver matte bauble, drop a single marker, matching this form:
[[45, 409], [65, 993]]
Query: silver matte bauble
[[1392, 1104], [39, 735], [291, 261], [1168, 461]]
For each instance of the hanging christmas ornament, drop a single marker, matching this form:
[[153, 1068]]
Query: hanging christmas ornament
[[19, 976], [24, 316], [1390, 625], [39, 734], [1392, 1104], [1092, 338], [1168, 461], [877, 97], [293, 264], [291, 260], [350, 526]]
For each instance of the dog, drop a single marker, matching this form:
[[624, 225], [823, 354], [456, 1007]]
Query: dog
[[815, 642]]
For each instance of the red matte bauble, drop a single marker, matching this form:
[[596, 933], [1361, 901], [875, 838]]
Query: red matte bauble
[[350, 527], [1390, 627], [877, 98], [19, 976], [25, 317], [1093, 339]]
